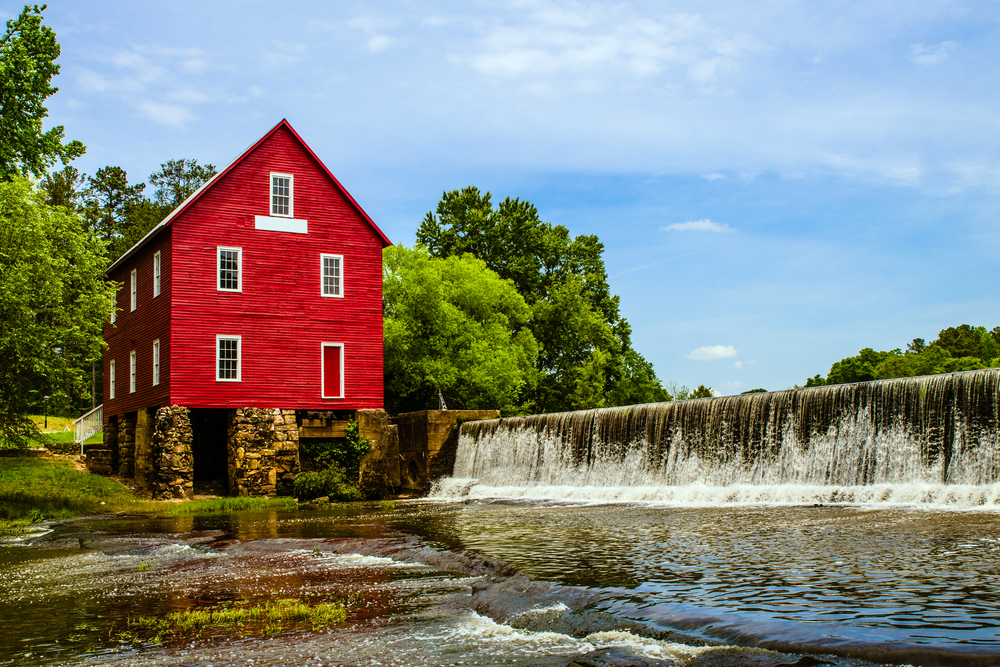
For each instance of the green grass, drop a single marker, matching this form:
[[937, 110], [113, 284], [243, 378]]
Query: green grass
[[55, 423], [246, 618], [232, 505], [34, 488]]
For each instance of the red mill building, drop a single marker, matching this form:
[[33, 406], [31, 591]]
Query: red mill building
[[249, 318]]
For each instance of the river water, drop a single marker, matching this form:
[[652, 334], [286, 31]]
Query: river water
[[491, 581]]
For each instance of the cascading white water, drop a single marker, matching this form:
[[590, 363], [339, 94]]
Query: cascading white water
[[928, 440]]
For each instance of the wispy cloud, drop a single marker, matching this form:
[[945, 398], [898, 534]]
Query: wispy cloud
[[745, 364], [160, 83], [174, 115], [705, 225], [932, 54], [662, 261], [712, 353], [587, 39]]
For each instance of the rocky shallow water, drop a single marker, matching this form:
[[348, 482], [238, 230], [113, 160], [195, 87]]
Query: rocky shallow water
[[532, 583]]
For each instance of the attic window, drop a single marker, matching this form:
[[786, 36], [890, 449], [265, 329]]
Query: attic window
[[281, 195]]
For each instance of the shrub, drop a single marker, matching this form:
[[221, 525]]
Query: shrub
[[330, 482], [342, 453]]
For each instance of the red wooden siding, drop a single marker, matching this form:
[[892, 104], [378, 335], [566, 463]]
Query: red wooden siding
[[280, 315], [137, 330]]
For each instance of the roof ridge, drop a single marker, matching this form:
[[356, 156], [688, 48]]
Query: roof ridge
[[194, 196]]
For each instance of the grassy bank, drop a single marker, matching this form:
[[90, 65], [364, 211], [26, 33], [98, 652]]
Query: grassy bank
[[32, 489], [36, 488], [230, 505]]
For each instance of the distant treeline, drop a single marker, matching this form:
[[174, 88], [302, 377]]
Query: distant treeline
[[961, 348]]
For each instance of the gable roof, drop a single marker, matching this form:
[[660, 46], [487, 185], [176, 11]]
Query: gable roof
[[194, 196]]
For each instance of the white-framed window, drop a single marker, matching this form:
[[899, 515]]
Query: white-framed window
[[114, 306], [229, 262], [156, 274], [111, 381], [135, 285], [332, 370], [331, 272], [156, 362], [131, 372], [282, 195], [228, 358]]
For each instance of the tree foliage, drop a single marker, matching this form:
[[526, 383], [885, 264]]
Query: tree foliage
[[702, 392], [119, 212], [586, 359], [28, 51], [177, 180], [452, 325], [53, 303], [961, 348]]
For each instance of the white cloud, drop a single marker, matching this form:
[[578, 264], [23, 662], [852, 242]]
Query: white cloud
[[166, 114], [705, 225], [379, 43], [932, 54], [714, 177], [903, 171], [712, 352], [745, 364], [161, 83], [590, 38]]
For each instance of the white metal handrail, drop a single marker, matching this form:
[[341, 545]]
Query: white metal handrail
[[89, 424]]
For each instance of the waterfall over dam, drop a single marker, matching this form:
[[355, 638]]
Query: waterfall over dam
[[927, 440]]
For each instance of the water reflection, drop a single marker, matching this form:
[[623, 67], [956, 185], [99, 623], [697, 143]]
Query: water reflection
[[911, 585]]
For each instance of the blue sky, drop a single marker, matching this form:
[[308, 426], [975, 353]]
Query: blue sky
[[777, 184]]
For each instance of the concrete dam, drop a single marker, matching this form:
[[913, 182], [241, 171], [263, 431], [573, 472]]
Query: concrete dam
[[930, 440]]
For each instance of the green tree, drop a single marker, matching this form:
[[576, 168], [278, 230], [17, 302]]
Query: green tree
[[859, 368], [968, 341], [64, 187], [177, 180], [759, 390], [916, 346], [107, 202], [53, 303], [452, 325], [575, 317], [28, 51], [702, 392], [933, 360]]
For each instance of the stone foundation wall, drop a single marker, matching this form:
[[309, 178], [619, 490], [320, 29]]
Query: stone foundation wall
[[263, 451], [145, 459], [110, 438], [173, 462], [428, 442], [379, 474], [125, 435], [286, 450]]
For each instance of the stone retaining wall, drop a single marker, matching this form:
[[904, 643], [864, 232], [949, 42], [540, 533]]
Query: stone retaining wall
[[428, 442], [263, 451], [379, 469], [98, 460], [125, 436]]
